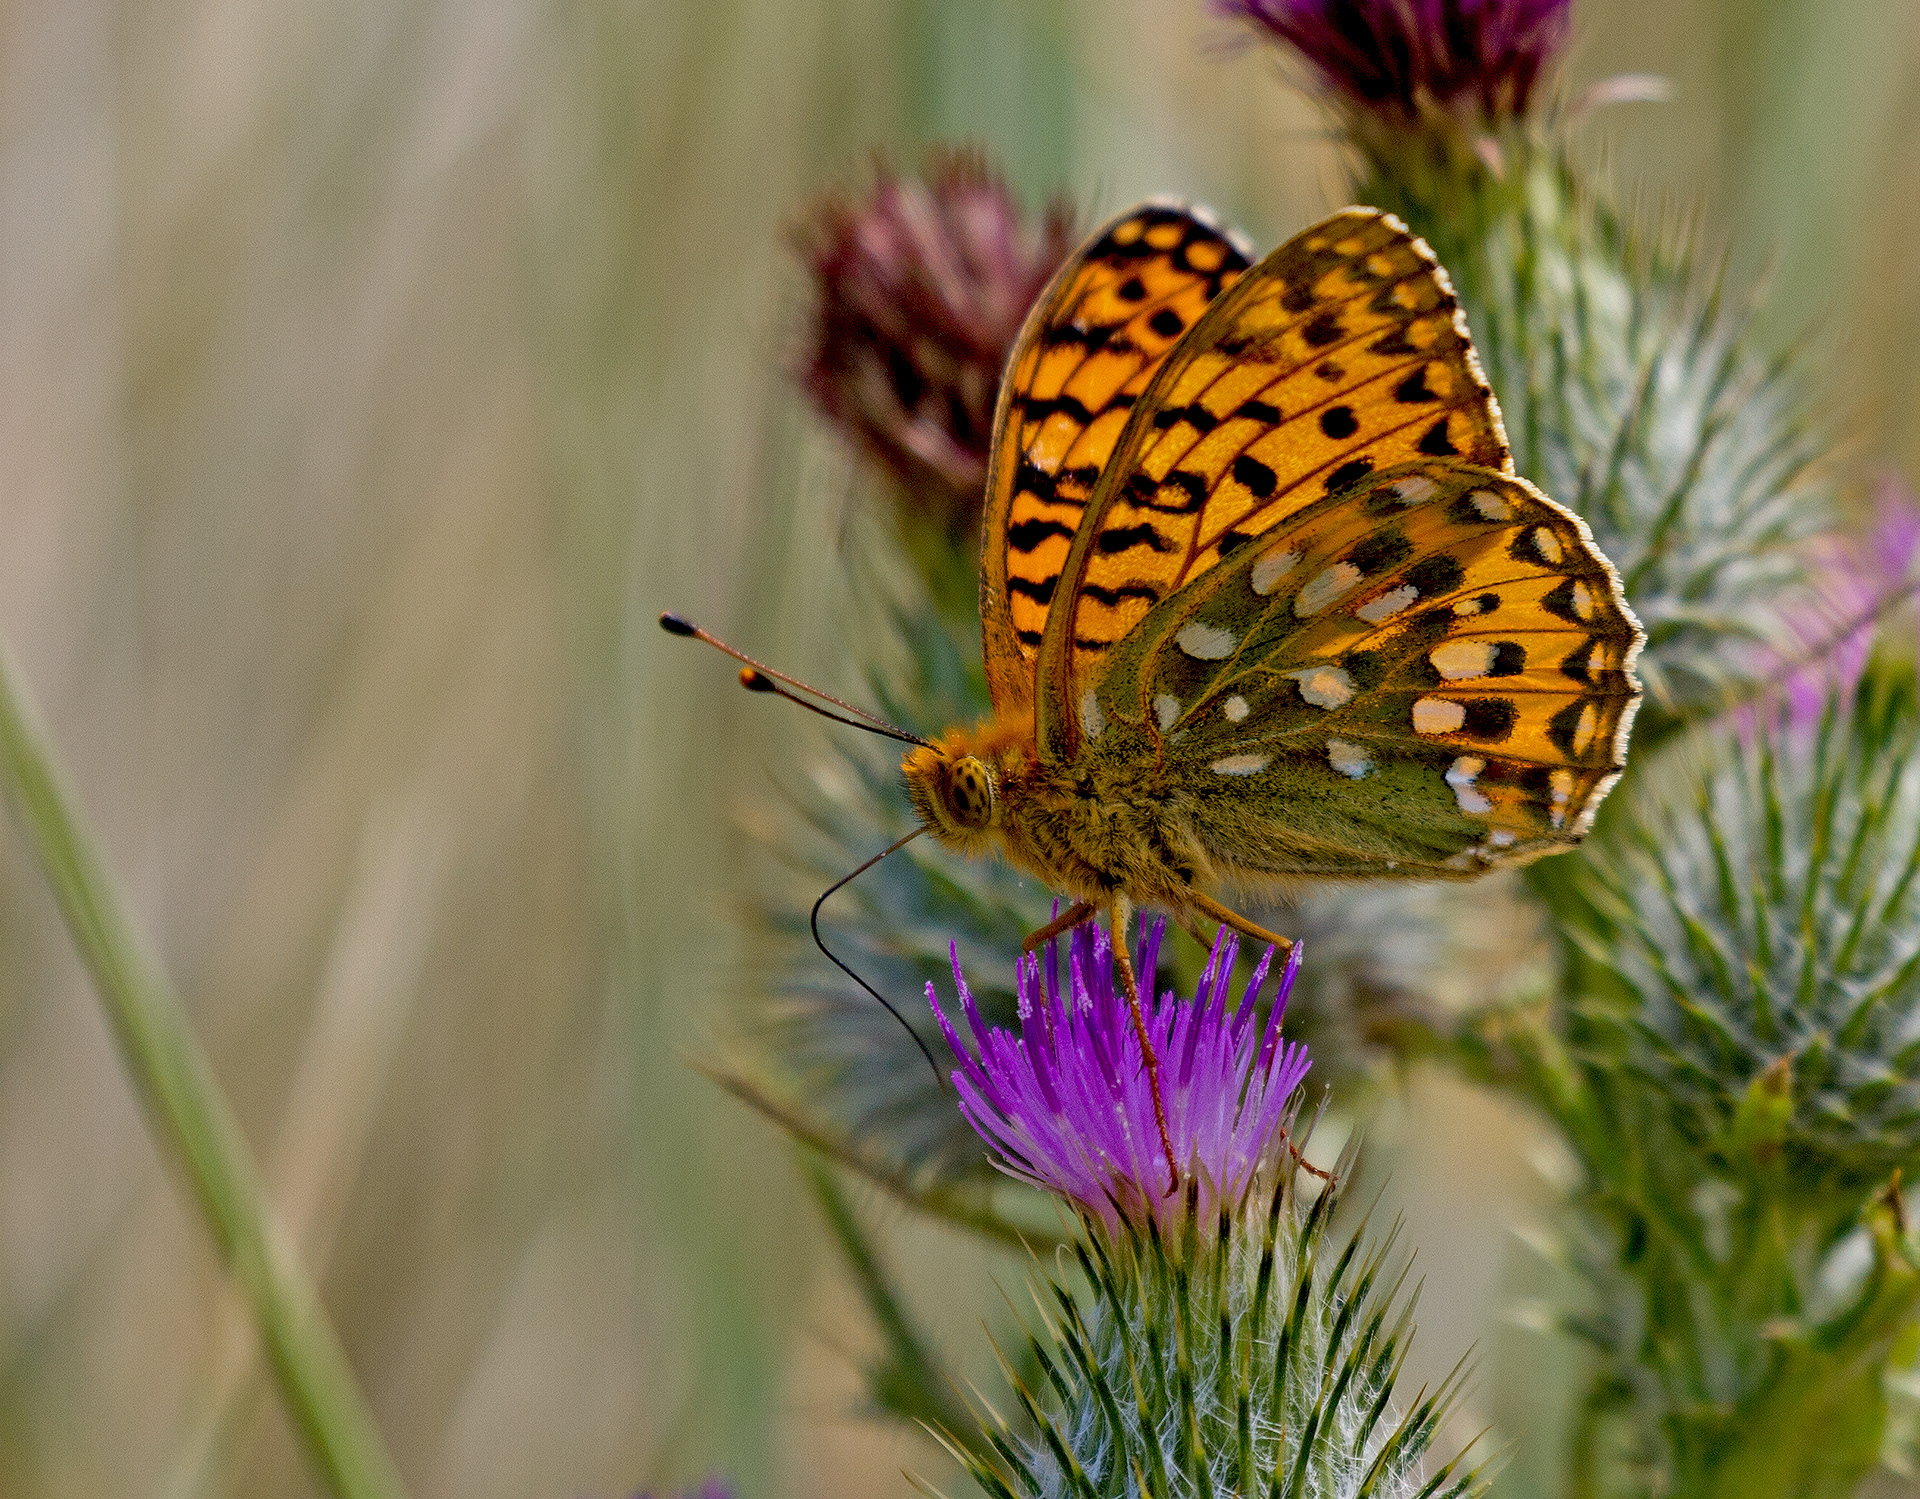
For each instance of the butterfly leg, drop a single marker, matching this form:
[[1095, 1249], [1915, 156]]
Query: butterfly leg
[[1074, 914], [1120, 917], [1209, 907]]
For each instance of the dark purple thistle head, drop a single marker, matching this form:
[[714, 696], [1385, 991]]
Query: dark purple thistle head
[[1404, 57], [919, 289], [1066, 1102]]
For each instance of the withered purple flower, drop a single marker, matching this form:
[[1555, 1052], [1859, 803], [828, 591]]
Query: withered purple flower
[[1066, 1104], [1409, 57], [919, 291]]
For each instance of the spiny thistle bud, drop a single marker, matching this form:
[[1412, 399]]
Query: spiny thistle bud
[[1412, 60], [1068, 1103], [1764, 923], [919, 289], [1251, 1354]]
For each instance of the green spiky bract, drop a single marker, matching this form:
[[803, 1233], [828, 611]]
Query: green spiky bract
[[1737, 1080], [1256, 1355]]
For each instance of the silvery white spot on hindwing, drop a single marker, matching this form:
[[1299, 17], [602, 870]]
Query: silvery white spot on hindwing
[[1460, 776], [1467, 858], [1166, 708], [1467, 608], [1323, 686], [1501, 838], [1415, 491], [1457, 660], [1235, 708], [1582, 599], [1561, 785], [1491, 506], [1436, 715], [1091, 718], [1348, 758], [1388, 604], [1271, 568], [1327, 585], [1585, 728], [1241, 765], [1205, 642], [1547, 545]]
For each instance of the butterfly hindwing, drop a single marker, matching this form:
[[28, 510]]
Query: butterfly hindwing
[[1430, 673], [1088, 350], [1341, 354]]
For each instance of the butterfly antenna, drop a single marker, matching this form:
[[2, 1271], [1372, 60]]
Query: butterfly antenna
[[756, 677], [813, 920]]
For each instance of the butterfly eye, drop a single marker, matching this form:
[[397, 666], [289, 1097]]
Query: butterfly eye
[[970, 793]]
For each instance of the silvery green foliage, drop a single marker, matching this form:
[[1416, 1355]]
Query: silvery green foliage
[[1253, 1356], [1633, 393], [1759, 921]]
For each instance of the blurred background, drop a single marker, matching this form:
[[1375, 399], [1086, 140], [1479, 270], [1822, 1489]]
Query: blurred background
[[372, 372]]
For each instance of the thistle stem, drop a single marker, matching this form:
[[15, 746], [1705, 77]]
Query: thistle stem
[[191, 1117]]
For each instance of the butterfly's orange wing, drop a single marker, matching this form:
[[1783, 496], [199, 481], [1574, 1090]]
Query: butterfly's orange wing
[[1089, 348], [1343, 352]]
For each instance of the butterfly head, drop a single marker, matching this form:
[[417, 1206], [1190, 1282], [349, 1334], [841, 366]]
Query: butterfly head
[[956, 785]]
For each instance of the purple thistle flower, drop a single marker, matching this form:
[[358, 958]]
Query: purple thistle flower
[[1404, 57], [919, 291], [1067, 1105], [1858, 581]]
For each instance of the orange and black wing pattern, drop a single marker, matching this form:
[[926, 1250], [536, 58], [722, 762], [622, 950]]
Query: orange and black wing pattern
[[1088, 351], [1342, 353]]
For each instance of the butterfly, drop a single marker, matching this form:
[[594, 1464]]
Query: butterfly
[[1263, 601]]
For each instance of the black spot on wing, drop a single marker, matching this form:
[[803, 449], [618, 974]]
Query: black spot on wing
[[1191, 487], [1298, 298], [1030, 533], [1323, 330], [1339, 421], [1259, 411], [1560, 601], [1195, 416], [1379, 551], [1490, 719], [1349, 474], [1413, 389], [1034, 480], [1167, 323], [1435, 444], [1111, 596], [1257, 477], [1330, 372], [1509, 659], [1126, 538], [1435, 575], [1133, 289], [1562, 726], [1037, 409], [1040, 590]]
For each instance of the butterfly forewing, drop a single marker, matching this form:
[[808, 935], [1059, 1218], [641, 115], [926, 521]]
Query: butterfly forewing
[[1341, 354], [1087, 352], [1430, 672]]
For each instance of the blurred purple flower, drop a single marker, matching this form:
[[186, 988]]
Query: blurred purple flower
[[1066, 1103], [1857, 582], [1407, 56], [715, 1487], [919, 291]]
